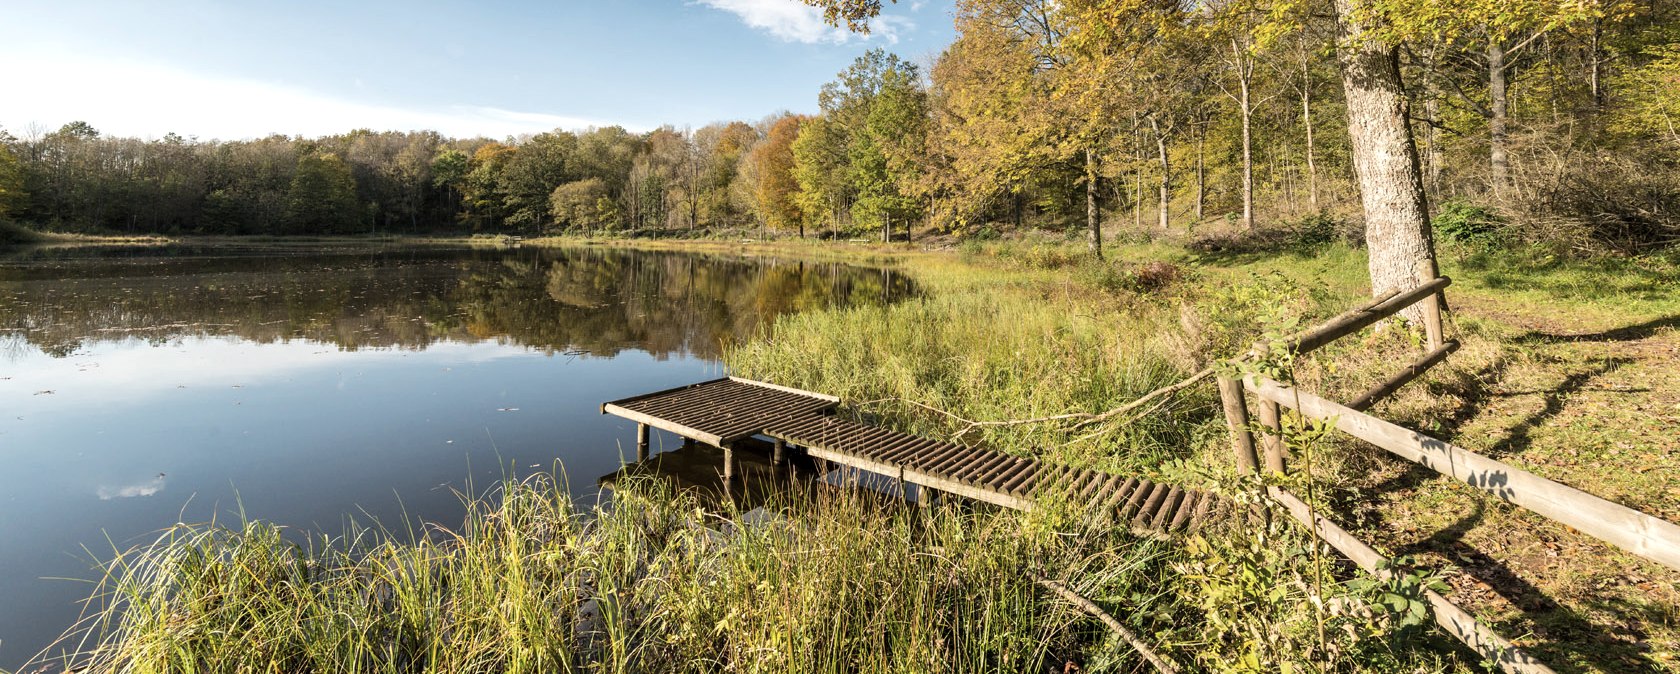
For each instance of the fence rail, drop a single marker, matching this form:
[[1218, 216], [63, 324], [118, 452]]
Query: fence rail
[[1636, 532]]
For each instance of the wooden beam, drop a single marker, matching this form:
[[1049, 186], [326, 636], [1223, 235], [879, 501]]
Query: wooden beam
[[921, 479], [1367, 315], [1623, 527], [1449, 616], [787, 389], [1388, 386], [1236, 419], [663, 424]]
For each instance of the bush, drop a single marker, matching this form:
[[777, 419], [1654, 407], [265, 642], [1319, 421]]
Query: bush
[[1315, 230], [1465, 222]]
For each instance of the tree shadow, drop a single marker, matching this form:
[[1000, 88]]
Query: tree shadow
[[1629, 333], [1562, 631], [1520, 437]]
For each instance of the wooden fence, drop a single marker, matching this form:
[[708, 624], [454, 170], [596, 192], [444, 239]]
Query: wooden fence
[[1638, 533]]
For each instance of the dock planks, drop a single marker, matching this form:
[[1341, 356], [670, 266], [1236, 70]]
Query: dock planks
[[724, 411]]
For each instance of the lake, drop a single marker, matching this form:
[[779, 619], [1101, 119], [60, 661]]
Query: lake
[[309, 384]]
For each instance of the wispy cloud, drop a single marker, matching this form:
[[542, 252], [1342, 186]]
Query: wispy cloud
[[130, 98], [147, 488], [795, 21]]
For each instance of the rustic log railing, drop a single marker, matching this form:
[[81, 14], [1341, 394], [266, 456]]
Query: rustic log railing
[[1638, 533]]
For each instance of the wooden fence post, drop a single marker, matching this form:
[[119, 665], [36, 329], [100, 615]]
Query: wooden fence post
[[1271, 418], [1236, 417], [1431, 306]]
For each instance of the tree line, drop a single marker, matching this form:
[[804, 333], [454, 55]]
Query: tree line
[[1042, 113]]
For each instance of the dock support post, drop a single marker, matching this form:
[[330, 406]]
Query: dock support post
[[1236, 417], [1271, 418], [641, 442], [779, 455], [728, 463]]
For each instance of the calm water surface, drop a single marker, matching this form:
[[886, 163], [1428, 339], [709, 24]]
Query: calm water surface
[[307, 385]]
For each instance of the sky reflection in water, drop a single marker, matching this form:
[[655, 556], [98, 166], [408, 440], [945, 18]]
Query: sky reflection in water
[[310, 386]]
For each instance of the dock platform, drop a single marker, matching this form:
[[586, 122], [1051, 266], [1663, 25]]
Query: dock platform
[[722, 412]]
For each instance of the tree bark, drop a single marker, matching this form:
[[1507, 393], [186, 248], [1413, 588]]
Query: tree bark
[[1164, 199], [1093, 216], [1201, 172], [1498, 154], [1595, 76], [1307, 124], [1385, 158], [1137, 176], [1245, 107]]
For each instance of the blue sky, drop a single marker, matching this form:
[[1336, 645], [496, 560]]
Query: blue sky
[[247, 69]]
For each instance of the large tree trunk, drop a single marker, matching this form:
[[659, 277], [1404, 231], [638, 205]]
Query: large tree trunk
[[1384, 157], [1500, 166], [1093, 217]]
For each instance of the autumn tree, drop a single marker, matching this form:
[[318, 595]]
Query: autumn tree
[[777, 190]]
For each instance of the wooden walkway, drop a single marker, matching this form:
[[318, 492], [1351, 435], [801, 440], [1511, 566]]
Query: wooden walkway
[[722, 412]]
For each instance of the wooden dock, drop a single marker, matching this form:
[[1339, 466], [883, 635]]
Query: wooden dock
[[723, 412]]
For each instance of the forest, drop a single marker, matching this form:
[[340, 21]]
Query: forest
[[1553, 123]]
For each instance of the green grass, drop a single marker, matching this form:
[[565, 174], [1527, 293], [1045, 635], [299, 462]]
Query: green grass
[[828, 582]]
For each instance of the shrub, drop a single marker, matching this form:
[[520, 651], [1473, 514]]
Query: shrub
[[1465, 222], [1315, 230]]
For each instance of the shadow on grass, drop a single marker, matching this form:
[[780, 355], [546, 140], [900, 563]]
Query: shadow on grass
[[1566, 639], [1629, 333], [1520, 436]]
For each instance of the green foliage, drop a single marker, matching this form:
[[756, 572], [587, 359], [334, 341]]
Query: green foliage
[[322, 197], [11, 182], [1466, 222], [1316, 230], [583, 204], [857, 163]]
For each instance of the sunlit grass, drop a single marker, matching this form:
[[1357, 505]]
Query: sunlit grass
[[825, 582]]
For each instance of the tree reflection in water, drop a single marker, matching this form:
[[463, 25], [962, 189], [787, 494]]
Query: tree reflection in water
[[555, 299]]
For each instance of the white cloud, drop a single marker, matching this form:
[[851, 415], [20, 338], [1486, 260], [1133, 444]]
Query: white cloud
[[795, 21], [127, 98], [147, 488]]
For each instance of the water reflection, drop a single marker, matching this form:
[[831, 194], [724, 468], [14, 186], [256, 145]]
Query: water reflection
[[574, 299], [308, 385]]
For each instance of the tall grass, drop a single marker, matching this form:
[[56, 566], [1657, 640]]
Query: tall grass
[[828, 582], [997, 341]]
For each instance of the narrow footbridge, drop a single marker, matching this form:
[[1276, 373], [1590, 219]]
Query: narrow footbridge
[[724, 412]]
